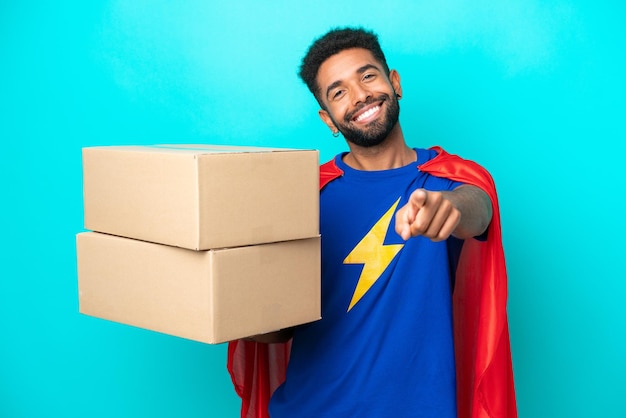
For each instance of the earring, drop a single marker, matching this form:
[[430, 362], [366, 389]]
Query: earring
[[336, 134]]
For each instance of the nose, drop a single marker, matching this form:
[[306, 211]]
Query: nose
[[360, 94]]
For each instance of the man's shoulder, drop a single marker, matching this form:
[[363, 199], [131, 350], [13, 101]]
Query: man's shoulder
[[329, 171], [425, 154]]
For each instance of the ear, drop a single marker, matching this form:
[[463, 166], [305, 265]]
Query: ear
[[394, 78], [328, 120]]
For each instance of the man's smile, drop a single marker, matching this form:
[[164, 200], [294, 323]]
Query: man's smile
[[367, 113], [369, 123]]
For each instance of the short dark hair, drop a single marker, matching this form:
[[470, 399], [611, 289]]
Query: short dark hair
[[333, 42]]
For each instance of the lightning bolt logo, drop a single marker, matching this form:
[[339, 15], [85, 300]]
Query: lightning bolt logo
[[374, 256]]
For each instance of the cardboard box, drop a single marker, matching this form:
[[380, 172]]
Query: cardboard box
[[201, 196], [209, 296]]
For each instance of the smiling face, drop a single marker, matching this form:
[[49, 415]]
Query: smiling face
[[360, 100]]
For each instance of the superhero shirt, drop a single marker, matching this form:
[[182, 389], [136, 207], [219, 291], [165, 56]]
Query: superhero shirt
[[384, 346]]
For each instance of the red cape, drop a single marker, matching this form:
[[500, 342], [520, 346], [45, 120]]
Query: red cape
[[485, 386]]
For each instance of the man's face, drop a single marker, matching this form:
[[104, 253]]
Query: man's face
[[360, 99]]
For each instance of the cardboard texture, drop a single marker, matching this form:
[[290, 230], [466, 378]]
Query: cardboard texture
[[210, 296], [201, 196]]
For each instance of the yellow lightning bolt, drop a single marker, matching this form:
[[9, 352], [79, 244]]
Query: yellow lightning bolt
[[374, 256]]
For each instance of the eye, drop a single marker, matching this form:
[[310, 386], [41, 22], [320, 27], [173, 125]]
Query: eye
[[369, 76], [337, 94]]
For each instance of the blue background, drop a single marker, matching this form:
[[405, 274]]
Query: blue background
[[534, 91]]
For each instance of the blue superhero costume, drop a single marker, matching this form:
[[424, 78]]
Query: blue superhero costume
[[384, 345], [485, 384]]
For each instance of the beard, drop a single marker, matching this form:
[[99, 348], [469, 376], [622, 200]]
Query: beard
[[376, 131]]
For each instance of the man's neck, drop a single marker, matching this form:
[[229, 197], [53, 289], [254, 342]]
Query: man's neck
[[391, 153]]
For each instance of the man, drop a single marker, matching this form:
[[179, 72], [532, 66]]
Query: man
[[392, 234]]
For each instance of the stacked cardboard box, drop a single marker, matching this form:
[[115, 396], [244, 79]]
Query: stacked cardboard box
[[209, 243]]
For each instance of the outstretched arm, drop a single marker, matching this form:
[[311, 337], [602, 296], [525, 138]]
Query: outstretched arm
[[464, 212]]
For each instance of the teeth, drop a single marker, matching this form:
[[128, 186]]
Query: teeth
[[368, 113]]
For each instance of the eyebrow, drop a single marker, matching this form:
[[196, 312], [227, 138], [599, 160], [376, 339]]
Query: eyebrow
[[360, 70]]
